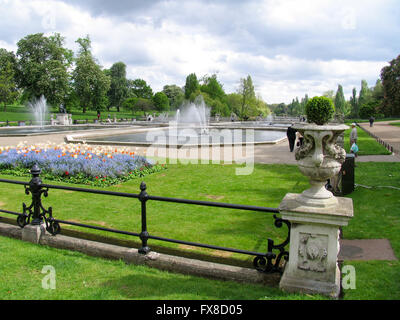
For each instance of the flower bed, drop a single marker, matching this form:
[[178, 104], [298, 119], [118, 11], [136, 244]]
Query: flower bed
[[82, 164]]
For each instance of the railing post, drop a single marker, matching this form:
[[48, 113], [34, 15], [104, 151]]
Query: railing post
[[144, 235], [36, 211], [35, 186], [35, 230]]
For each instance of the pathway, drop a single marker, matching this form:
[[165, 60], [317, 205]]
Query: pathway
[[385, 131]]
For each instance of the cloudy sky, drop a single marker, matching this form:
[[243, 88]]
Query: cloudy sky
[[289, 47]]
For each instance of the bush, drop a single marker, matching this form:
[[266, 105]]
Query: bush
[[319, 110], [368, 110]]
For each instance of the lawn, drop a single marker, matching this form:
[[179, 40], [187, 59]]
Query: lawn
[[376, 211], [397, 124], [222, 227], [376, 216], [80, 277], [22, 113]]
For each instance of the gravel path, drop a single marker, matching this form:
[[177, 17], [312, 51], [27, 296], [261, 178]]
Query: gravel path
[[388, 133]]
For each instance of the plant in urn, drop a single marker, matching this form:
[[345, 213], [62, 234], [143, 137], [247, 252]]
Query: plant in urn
[[319, 158]]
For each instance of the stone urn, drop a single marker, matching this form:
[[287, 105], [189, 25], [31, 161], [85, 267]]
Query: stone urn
[[319, 158]]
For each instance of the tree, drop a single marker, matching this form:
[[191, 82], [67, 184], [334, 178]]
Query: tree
[[119, 85], [365, 94], [303, 104], [234, 101], [246, 89], [130, 104], [175, 94], [43, 67], [354, 104], [262, 107], [368, 110], [192, 85], [8, 86], [390, 76], [213, 87], [340, 101], [139, 88], [143, 105], [214, 95], [295, 107], [377, 91], [281, 109], [161, 102], [90, 82]]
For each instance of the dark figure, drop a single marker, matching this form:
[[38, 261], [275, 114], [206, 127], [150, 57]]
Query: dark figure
[[62, 109], [371, 121], [98, 114], [291, 135]]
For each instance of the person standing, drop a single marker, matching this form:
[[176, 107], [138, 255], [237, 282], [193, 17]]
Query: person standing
[[353, 134], [353, 139], [291, 135], [371, 121]]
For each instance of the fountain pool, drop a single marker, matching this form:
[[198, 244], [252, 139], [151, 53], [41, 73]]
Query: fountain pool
[[186, 137], [191, 127]]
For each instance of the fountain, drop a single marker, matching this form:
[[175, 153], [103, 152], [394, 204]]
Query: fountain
[[190, 127], [177, 116], [39, 110], [195, 114]]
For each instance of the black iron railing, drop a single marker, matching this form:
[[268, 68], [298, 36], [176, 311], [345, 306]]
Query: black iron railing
[[36, 214]]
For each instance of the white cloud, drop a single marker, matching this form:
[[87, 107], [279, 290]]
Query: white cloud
[[290, 48]]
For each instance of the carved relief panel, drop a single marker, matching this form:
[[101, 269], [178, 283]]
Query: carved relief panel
[[313, 252]]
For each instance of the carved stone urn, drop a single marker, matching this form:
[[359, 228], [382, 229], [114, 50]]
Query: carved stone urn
[[319, 158]]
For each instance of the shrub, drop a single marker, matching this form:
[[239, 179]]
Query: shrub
[[319, 110], [368, 110]]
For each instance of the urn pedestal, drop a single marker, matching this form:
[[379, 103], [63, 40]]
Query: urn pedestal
[[314, 245], [316, 215]]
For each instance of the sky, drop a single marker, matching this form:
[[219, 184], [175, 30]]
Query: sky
[[289, 47]]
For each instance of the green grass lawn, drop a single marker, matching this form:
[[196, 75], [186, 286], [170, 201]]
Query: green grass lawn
[[22, 113], [81, 277], [397, 124], [376, 215], [222, 227], [349, 121]]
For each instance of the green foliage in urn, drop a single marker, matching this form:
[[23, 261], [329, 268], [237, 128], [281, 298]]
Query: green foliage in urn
[[319, 110]]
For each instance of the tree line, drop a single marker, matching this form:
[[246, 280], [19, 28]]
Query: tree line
[[381, 100], [42, 65]]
